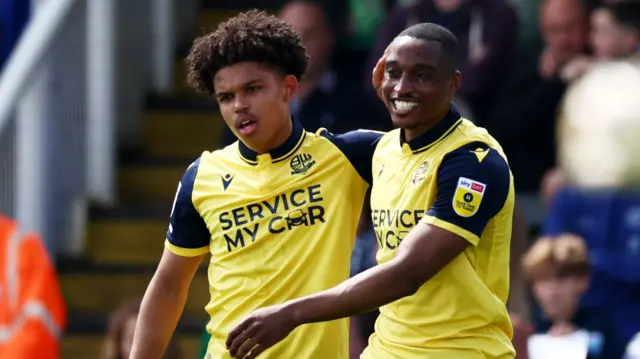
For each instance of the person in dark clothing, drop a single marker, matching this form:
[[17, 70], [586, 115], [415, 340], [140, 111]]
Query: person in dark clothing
[[523, 117]]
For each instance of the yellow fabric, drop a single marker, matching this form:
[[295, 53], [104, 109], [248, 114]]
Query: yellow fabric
[[461, 312], [278, 223]]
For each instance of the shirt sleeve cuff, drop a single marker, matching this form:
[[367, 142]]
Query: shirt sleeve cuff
[[185, 252], [470, 237]]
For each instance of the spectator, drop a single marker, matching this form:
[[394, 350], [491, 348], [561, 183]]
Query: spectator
[[119, 338], [558, 269], [32, 310], [323, 99], [486, 31], [524, 115], [615, 34], [616, 30], [552, 183], [609, 221]]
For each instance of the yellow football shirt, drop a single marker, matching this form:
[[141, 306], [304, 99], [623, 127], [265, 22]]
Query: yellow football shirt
[[278, 226], [455, 177]]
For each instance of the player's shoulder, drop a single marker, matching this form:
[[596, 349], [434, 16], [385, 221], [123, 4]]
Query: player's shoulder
[[467, 132], [478, 159], [222, 157], [357, 147], [356, 138]]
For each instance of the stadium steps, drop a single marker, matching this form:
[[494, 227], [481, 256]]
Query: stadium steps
[[87, 345], [124, 243]]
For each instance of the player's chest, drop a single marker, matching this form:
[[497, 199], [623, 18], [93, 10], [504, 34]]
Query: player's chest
[[403, 182], [403, 189], [269, 204]]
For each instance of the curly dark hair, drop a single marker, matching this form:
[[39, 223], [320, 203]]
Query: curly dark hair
[[252, 36]]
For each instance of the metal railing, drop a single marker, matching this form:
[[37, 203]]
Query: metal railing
[[75, 81]]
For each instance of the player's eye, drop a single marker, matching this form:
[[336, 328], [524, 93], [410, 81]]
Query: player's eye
[[424, 76], [393, 73], [224, 98], [251, 89]]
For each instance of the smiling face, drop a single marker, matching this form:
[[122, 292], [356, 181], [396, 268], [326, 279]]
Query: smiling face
[[418, 85], [254, 102]]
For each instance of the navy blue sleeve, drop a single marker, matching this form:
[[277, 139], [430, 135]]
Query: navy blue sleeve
[[188, 234], [473, 186], [358, 146]]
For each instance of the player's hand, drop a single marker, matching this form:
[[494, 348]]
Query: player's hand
[[260, 331], [378, 74]]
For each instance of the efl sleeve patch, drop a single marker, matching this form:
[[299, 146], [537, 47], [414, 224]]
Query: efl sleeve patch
[[470, 190], [468, 197]]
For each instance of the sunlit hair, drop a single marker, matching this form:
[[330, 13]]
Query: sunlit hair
[[252, 36], [563, 256], [112, 346]]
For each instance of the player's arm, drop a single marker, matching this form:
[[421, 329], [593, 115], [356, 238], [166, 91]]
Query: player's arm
[[186, 244], [358, 147], [443, 234]]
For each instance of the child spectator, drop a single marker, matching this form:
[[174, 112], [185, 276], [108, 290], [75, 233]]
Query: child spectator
[[558, 269]]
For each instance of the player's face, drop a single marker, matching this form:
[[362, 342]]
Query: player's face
[[254, 102], [417, 89]]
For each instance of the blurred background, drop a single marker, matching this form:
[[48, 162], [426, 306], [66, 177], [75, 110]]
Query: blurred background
[[97, 127]]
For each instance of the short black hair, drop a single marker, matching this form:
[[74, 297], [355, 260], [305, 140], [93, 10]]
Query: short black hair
[[625, 13], [434, 32], [252, 36]]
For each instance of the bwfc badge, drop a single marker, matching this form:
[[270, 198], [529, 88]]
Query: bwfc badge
[[301, 164], [421, 173], [468, 196]]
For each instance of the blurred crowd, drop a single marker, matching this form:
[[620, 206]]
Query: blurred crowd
[[518, 59]]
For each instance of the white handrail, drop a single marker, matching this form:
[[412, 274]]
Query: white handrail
[[32, 46], [101, 100]]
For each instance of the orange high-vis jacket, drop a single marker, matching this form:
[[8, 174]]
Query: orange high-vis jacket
[[32, 310]]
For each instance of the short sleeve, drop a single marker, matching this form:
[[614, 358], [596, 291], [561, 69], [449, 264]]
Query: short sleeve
[[473, 185], [188, 235], [358, 146]]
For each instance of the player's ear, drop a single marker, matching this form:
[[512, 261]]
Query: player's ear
[[290, 86], [456, 80]]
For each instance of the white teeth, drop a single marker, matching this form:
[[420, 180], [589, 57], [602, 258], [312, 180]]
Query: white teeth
[[404, 106], [244, 123]]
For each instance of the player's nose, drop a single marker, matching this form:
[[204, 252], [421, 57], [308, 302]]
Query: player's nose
[[240, 104], [403, 86]]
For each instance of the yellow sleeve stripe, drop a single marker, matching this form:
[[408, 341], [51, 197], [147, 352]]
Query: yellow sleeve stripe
[[470, 237], [185, 252]]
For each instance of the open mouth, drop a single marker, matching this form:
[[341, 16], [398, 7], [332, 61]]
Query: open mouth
[[247, 127], [404, 106]]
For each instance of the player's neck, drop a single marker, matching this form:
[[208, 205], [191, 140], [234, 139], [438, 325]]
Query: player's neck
[[412, 133], [280, 137]]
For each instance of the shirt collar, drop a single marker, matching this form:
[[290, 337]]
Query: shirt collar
[[423, 142], [278, 154]]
